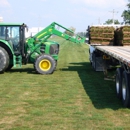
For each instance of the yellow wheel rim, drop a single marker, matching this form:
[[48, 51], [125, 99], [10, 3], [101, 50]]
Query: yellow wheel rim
[[45, 65]]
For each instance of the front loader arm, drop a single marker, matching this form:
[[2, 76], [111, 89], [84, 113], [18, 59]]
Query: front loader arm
[[51, 30], [47, 32]]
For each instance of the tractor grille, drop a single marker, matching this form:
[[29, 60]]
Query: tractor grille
[[42, 48], [54, 49]]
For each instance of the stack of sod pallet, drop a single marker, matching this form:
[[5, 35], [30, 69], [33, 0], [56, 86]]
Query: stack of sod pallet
[[101, 35], [122, 36]]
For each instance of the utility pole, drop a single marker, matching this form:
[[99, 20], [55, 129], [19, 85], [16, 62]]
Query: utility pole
[[113, 14]]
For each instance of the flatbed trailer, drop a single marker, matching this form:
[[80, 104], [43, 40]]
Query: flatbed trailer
[[103, 58], [120, 53], [109, 46]]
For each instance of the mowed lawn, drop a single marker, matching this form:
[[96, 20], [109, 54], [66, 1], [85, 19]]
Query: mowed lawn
[[74, 97]]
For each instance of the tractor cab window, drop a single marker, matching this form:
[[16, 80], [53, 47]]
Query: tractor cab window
[[11, 34], [2, 32], [14, 37]]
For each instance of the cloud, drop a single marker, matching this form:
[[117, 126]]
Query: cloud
[[4, 3], [101, 3], [98, 10]]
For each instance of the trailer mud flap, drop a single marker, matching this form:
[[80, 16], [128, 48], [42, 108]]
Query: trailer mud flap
[[98, 63]]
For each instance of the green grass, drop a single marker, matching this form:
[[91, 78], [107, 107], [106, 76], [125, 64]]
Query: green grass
[[74, 97]]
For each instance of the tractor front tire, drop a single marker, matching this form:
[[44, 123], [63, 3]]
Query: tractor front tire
[[4, 60], [45, 64]]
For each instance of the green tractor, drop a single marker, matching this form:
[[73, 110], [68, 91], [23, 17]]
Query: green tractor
[[16, 50]]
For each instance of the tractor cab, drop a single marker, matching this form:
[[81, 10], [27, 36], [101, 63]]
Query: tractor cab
[[14, 34]]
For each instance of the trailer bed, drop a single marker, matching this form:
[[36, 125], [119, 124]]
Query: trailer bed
[[121, 53]]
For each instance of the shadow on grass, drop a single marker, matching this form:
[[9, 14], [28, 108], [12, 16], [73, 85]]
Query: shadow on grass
[[22, 70], [101, 92]]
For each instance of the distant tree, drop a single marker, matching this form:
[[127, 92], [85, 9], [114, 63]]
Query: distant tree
[[110, 21], [82, 34], [70, 33], [126, 14]]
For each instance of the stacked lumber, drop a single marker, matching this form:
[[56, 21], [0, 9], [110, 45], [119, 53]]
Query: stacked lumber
[[122, 36], [101, 35]]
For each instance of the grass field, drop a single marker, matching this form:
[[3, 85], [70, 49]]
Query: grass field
[[74, 97]]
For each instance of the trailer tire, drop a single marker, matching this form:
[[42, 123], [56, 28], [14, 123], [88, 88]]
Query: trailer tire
[[4, 60], [45, 64], [126, 90], [119, 73]]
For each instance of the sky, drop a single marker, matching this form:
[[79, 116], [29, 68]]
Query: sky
[[70, 13]]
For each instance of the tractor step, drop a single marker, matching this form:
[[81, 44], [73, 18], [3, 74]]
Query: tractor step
[[18, 61]]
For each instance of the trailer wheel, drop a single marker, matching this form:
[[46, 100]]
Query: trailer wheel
[[126, 90], [45, 64], [4, 59], [119, 73]]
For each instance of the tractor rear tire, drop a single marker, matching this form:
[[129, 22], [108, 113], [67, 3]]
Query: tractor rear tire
[[4, 60], [45, 64], [9, 67]]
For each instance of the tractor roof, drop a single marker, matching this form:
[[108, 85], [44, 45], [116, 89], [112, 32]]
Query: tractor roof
[[11, 24]]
